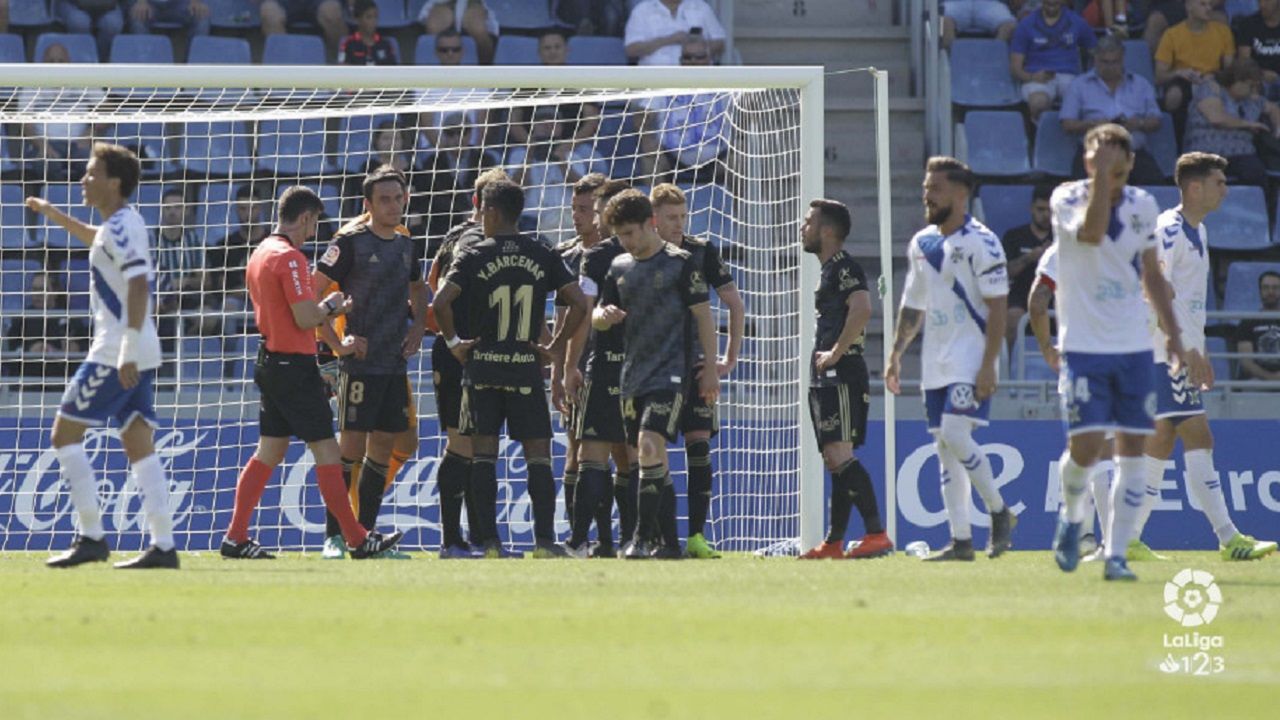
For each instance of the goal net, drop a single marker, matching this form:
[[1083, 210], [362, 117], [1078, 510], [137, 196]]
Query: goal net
[[215, 156]]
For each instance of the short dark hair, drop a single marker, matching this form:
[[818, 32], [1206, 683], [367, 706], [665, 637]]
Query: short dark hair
[[360, 7], [951, 168], [588, 183], [504, 196], [1108, 134], [1043, 191], [629, 207], [298, 200], [447, 33], [609, 188], [121, 164], [173, 190], [246, 191], [1197, 166], [1267, 274], [553, 31], [383, 173], [835, 215]]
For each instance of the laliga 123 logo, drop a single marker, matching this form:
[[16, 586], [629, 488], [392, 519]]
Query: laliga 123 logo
[[1192, 600]]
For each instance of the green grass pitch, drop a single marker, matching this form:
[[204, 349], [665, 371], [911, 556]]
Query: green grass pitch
[[735, 638]]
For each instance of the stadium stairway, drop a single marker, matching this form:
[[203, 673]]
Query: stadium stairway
[[844, 35]]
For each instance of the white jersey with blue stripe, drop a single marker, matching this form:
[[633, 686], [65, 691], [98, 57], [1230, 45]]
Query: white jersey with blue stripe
[[949, 278], [1184, 262], [1099, 296], [119, 253]]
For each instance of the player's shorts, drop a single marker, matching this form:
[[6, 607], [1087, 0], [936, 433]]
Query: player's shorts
[[525, 411], [446, 375], [657, 411], [598, 414], [1176, 398], [293, 399], [954, 399], [698, 415], [369, 403], [94, 396], [1103, 392], [839, 413]]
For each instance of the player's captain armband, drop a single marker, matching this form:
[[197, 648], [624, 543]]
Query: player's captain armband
[[588, 286], [331, 255]]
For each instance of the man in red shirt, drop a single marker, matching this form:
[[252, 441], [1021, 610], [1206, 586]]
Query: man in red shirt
[[294, 400]]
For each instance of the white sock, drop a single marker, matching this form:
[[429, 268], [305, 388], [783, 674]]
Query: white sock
[[1100, 491], [1086, 525], [1126, 502], [155, 500], [1153, 476], [1075, 480], [957, 434], [74, 462], [955, 493], [1204, 486]]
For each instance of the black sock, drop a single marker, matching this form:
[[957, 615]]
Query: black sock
[[373, 482], [542, 496], [699, 455], [841, 503], [604, 513], [650, 500], [593, 481], [864, 496], [484, 491], [625, 486], [451, 480], [331, 526], [570, 486], [667, 527], [474, 522]]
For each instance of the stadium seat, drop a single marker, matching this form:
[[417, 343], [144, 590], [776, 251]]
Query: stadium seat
[[293, 50], [997, 143], [1242, 284], [293, 148], [356, 138], [521, 14], [217, 149], [1166, 196], [617, 142], [330, 195], [149, 140], [710, 211], [1240, 8], [596, 50], [70, 198], [7, 163], [1055, 150], [146, 200], [1241, 223], [980, 74], [1005, 207], [29, 14], [214, 211], [1163, 145], [392, 15], [516, 50], [233, 14], [15, 280], [201, 359], [149, 49], [11, 49], [82, 48], [424, 52], [1215, 346], [77, 284], [1033, 366], [1137, 59], [215, 50], [13, 218]]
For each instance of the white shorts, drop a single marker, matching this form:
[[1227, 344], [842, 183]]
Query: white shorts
[[977, 16], [1055, 88]]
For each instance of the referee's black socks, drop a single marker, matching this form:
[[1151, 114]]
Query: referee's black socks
[[451, 478], [373, 483], [699, 457], [542, 495], [593, 485], [331, 526]]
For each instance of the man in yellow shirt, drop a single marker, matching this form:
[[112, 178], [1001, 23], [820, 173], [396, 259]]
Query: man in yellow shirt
[[1189, 53]]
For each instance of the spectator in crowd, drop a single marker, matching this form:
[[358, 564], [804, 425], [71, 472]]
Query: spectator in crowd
[[179, 265], [972, 17], [680, 124], [1262, 335], [658, 29], [472, 17], [1164, 14], [44, 333], [366, 46], [1188, 55], [225, 261], [1109, 16], [583, 118], [547, 166], [192, 15], [103, 19], [63, 146], [553, 47], [1023, 247], [1044, 54], [1227, 114], [1110, 94], [449, 47], [455, 157], [596, 17], [1258, 38], [277, 15]]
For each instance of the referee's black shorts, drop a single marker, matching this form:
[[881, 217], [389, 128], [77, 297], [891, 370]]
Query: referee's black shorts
[[294, 401]]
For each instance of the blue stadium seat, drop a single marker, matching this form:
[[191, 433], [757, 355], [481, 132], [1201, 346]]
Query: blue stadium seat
[[330, 195], [217, 149], [11, 49], [1241, 223], [13, 217], [82, 48], [1240, 8], [618, 143], [1242, 284], [216, 50], [980, 74], [516, 50], [522, 14], [215, 211], [1137, 59], [392, 15], [233, 14], [1215, 346], [596, 50], [1163, 145], [151, 49], [1166, 196], [30, 14], [293, 50], [424, 53], [710, 211], [146, 200], [77, 284], [15, 280], [1055, 149], [7, 163], [356, 138], [201, 359], [1005, 207], [292, 147], [997, 143], [1033, 364], [150, 141], [69, 197]]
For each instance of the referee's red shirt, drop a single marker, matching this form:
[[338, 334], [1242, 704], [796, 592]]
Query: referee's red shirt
[[278, 277]]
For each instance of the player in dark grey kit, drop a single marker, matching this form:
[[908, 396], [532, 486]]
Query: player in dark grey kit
[[662, 296], [505, 280], [838, 386], [380, 268]]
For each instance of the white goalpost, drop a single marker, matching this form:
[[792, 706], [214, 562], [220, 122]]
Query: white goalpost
[[218, 145]]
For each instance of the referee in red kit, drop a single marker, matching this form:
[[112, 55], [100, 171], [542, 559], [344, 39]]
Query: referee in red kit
[[294, 399]]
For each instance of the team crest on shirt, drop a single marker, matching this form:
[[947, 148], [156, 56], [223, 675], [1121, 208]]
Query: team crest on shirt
[[698, 284], [846, 281], [962, 397], [1137, 223], [331, 255], [829, 424]]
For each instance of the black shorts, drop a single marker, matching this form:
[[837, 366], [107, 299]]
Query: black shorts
[[657, 411], [369, 403], [839, 412], [698, 415], [294, 401], [525, 410], [598, 414], [447, 379]]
